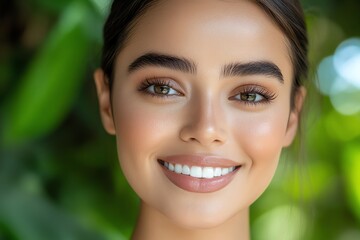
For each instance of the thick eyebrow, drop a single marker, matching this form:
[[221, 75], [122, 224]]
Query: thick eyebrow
[[253, 68], [161, 60]]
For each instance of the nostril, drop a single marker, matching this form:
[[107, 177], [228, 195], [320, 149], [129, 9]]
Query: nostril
[[202, 135], [194, 139]]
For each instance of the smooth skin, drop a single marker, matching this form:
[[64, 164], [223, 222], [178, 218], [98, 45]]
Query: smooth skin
[[200, 113]]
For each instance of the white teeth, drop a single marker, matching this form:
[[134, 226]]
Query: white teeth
[[186, 170], [178, 168], [224, 171], [208, 172], [198, 172], [217, 172], [171, 167]]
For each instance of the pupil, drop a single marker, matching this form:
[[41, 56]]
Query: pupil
[[248, 97], [162, 89]]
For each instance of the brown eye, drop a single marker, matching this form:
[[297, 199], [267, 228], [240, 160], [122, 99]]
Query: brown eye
[[159, 89], [252, 94], [250, 97]]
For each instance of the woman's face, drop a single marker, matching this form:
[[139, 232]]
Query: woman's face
[[204, 84]]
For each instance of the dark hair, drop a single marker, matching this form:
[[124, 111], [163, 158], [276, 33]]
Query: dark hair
[[287, 14], [122, 18]]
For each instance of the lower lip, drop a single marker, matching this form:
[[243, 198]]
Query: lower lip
[[199, 185]]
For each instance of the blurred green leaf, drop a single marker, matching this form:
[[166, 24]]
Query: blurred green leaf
[[351, 167], [310, 182], [52, 81], [54, 5], [341, 127], [324, 36], [102, 6], [281, 223], [31, 217]]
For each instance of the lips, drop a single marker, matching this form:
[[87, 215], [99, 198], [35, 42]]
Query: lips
[[202, 174]]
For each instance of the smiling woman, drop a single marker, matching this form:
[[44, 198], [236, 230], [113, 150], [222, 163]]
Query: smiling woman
[[202, 97]]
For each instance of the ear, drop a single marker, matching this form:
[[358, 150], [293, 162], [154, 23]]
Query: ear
[[103, 93], [294, 117]]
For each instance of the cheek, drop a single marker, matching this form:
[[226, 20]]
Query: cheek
[[260, 138], [140, 131], [137, 129]]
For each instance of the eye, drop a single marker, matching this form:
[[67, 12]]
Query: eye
[[161, 90], [250, 97], [253, 94], [159, 87]]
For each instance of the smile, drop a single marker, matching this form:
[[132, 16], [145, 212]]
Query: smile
[[201, 174], [197, 171]]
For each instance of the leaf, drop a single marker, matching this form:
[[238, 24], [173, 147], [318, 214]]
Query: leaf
[[26, 216], [52, 81], [285, 222], [351, 167]]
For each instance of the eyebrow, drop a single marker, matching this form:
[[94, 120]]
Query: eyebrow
[[253, 68], [161, 60], [185, 65]]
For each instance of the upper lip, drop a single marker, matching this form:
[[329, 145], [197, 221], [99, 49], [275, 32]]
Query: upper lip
[[200, 160]]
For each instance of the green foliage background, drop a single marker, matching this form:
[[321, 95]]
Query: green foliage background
[[59, 175]]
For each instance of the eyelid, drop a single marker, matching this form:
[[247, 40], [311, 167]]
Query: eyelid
[[160, 81], [267, 94]]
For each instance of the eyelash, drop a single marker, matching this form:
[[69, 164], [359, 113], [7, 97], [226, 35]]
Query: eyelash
[[144, 87], [267, 95]]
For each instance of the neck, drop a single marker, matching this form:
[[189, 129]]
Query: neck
[[153, 225]]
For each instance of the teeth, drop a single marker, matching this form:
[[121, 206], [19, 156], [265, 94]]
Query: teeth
[[224, 171], [185, 170], [208, 172], [198, 172], [171, 167], [217, 172], [178, 168]]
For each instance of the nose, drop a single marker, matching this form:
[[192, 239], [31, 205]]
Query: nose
[[205, 124]]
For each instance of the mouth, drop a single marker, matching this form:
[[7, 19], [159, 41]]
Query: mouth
[[197, 171], [202, 174]]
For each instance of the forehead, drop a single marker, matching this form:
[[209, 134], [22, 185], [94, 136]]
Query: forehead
[[211, 32]]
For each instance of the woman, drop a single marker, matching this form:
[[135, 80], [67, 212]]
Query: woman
[[202, 96]]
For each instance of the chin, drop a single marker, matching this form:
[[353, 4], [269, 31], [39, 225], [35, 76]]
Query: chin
[[200, 218], [195, 222]]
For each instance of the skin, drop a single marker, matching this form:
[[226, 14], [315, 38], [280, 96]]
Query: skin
[[205, 119]]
